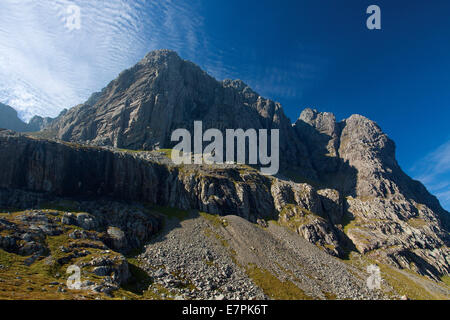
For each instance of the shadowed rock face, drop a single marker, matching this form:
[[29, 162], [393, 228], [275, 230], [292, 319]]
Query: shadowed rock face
[[10, 120], [38, 123], [63, 170], [358, 150], [145, 104], [398, 231], [361, 198]]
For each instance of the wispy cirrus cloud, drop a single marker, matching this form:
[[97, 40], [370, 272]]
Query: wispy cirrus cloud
[[433, 170], [274, 78], [45, 67]]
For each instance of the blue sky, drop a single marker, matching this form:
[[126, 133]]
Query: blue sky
[[301, 53]]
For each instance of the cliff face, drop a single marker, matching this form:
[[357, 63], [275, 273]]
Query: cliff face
[[142, 107], [62, 170], [388, 229], [10, 120]]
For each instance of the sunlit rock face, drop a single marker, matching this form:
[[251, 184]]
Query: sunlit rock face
[[146, 103]]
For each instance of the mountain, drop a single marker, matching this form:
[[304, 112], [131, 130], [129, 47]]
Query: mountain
[[340, 195], [10, 120], [142, 107], [390, 213], [38, 123]]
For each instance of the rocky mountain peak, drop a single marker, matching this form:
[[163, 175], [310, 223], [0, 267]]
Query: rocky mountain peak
[[9, 119], [340, 186], [160, 56], [361, 133], [324, 122], [237, 84], [163, 92]]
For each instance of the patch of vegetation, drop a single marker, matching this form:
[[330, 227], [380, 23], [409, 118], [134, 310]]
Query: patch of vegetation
[[246, 169], [35, 282], [44, 134], [166, 152], [330, 296], [446, 279], [78, 146], [348, 222], [171, 212], [45, 278], [130, 150], [365, 198], [216, 220], [404, 285], [211, 233], [210, 263], [273, 287], [416, 222], [399, 280], [140, 280]]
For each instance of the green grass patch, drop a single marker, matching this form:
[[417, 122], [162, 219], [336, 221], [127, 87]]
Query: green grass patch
[[44, 134], [171, 212], [348, 222], [294, 216], [404, 285], [446, 279], [273, 287], [404, 282], [166, 152], [41, 279], [131, 150], [215, 219], [20, 282]]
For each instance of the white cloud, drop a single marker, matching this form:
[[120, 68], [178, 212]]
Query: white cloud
[[45, 67], [434, 171]]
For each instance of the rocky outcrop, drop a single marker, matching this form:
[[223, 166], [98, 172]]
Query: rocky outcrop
[[386, 227], [361, 198], [43, 166], [62, 240], [38, 123]]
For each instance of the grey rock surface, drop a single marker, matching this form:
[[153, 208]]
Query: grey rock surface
[[146, 103], [10, 120], [397, 231], [340, 187]]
